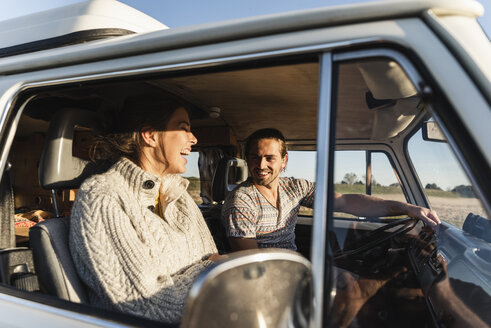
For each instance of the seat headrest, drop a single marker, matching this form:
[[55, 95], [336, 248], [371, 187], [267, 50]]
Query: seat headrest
[[58, 168], [229, 173]]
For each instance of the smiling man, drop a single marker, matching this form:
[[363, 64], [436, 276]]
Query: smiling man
[[262, 211]]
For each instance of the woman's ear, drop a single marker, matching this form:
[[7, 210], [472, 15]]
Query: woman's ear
[[150, 137]]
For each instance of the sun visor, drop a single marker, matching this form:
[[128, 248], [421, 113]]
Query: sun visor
[[390, 121], [386, 79]]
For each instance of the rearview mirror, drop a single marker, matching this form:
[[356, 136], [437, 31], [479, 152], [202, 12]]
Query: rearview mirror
[[432, 132], [256, 288]]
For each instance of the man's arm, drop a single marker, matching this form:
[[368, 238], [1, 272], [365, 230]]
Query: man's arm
[[239, 244], [365, 205]]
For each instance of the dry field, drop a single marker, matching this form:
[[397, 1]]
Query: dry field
[[195, 195], [451, 210]]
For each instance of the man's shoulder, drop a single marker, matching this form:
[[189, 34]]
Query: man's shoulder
[[294, 182], [293, 187]]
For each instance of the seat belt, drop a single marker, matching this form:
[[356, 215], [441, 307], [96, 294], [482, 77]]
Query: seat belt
[[15, 261], [7, 231]]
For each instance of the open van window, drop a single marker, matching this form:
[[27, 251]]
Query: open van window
[[447, 187]]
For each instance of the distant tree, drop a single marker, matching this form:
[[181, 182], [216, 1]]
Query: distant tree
[[359, 182], [349, 178], [395, 184], [432, 186], [464, 191]]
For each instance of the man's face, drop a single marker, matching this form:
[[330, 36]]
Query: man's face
[[265, 161]]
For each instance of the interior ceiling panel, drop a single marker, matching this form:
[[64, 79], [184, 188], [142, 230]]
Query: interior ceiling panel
[[281, 96], [284, 97], [354, 119]]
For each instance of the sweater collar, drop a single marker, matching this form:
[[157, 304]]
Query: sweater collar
[[173, 186], [146, 185]]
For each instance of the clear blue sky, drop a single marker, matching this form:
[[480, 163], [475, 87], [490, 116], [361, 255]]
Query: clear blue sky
[[188, 12], [178, 13]]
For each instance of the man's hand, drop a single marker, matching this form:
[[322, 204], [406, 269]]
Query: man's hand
[[425, 214], [365, 205]]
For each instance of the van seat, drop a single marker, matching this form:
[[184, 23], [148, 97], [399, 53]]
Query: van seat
[[60, 170], [58, 275], [230, 172]]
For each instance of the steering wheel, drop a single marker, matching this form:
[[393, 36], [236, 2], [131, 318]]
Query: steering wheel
[[377, 237]]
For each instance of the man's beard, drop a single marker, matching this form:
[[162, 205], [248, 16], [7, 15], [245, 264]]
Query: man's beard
[[265, 182]]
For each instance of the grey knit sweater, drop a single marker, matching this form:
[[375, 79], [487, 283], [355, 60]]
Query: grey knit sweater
[[130, 258]]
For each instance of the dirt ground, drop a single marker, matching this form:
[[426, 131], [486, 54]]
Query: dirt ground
[[451, 210]]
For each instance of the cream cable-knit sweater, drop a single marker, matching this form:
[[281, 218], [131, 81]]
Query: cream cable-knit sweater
[[130, 258]]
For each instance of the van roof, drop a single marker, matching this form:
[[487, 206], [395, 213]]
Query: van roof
[[235, 29], [71, 24]]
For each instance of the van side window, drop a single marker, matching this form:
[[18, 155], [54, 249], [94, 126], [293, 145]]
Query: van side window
[[301, 165], [350, 175], [446, 186], [192, 174]]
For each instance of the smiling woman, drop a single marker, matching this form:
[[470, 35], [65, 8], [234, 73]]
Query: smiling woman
[[140, 213]]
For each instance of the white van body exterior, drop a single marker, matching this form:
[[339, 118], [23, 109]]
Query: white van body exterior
[[444, 36]]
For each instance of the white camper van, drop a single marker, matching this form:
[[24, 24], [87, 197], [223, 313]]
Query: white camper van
[[391, 99]]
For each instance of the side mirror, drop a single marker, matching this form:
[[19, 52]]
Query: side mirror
[[432, 132], [478, 226], [256, 288]]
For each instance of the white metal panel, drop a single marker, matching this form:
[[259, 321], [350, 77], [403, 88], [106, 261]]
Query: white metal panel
[[87, 15], [410, 33], [465, 37], [241, 29], [316, 39], [472, 108], [18, 312]]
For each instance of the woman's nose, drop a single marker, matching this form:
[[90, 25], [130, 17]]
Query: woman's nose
[[192, 139]]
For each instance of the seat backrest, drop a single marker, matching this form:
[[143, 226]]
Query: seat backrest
[[55, 269], [230, 172], [59, 170]]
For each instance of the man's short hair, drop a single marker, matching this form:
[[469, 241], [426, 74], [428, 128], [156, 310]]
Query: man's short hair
[[268, 133]]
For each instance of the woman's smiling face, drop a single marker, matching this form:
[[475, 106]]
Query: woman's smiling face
[[175, 143]]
